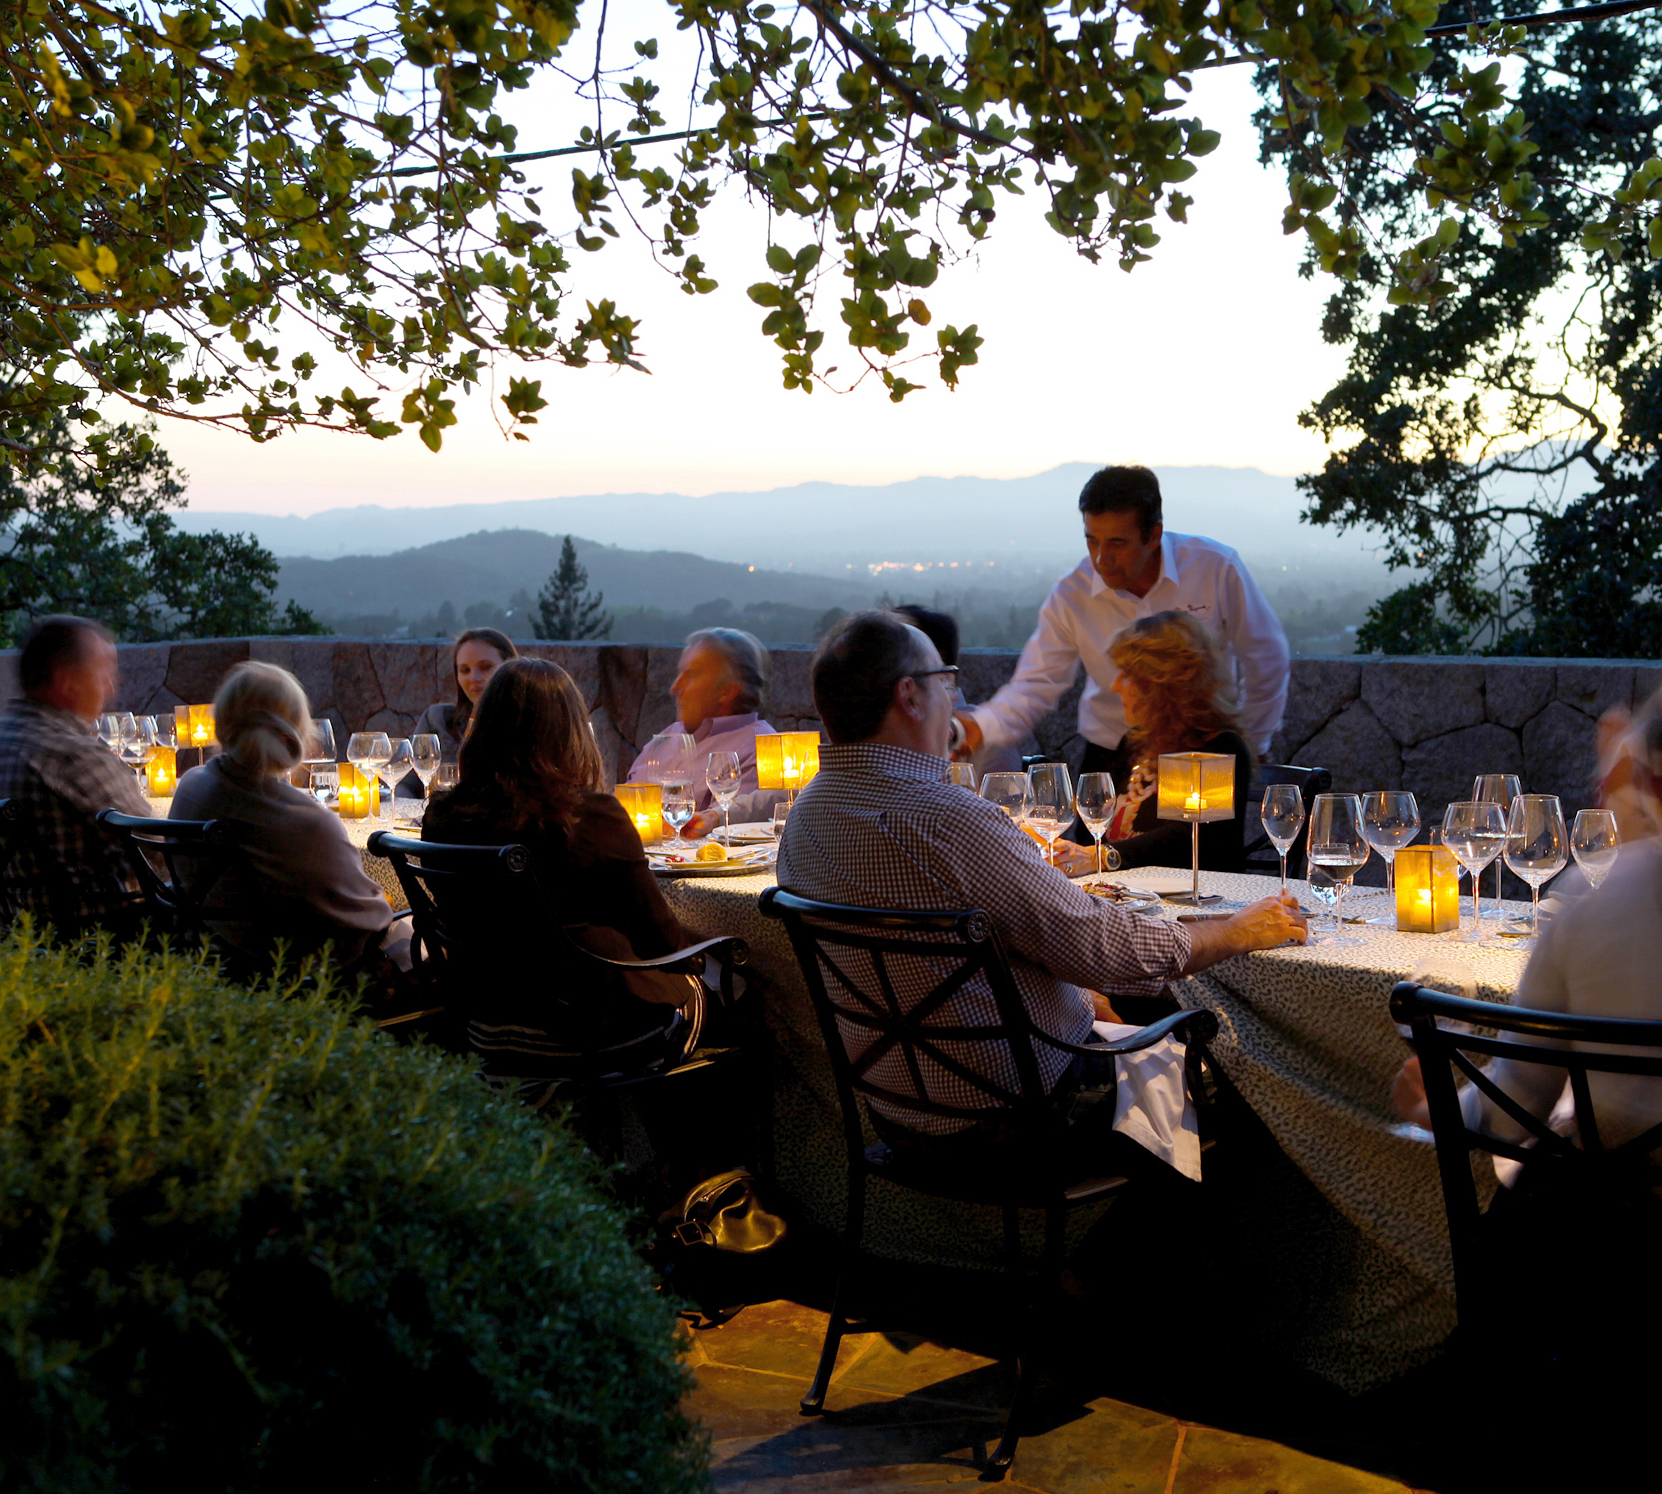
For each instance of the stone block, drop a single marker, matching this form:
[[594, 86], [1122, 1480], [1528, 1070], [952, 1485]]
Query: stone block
[[143, 671], [982, 672], [658, 707], [1439, 771], [623, 687], [349, 683], [1517, 691], [580, 660], [404, 675], [197, 667], [1357, 750], [394, 723], [615, 753], [1646, 682], [1561, 755], [1593, 688], [1317, 691], [790, 688], [1415, 700]]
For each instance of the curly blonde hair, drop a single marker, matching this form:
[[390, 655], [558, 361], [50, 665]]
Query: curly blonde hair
[[1182, 689]]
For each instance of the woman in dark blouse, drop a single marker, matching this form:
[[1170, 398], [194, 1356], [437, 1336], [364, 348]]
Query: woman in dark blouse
[[531, 775], [1172, 682]]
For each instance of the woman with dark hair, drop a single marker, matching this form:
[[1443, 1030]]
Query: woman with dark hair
[[480, 652], [1172, 684], [531, 775]]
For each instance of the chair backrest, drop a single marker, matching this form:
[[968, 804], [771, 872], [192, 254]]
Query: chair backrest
[[1449, 1031], [1260, 850], [197, 854], [443, 882], [864, 1018]]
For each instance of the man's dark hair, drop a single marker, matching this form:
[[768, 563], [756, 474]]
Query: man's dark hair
[[1124, 490], [856, 669], [940, 628], [52, 643]]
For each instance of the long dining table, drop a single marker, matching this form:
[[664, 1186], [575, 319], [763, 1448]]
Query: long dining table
[[1306, 1038]]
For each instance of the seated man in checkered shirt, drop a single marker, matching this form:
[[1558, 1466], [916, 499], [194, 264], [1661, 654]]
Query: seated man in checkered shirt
[[881, 827], [66, 871]]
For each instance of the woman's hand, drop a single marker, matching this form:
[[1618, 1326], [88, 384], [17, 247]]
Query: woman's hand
[[1408, 1095], [1075, 861]]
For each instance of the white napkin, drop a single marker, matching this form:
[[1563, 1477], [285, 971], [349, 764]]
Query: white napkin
[[1151, 1100]]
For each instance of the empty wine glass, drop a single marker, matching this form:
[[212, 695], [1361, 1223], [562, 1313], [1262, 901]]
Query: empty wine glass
[[1051, 810], [1501, 789], [319, 747], [1094, 803], [678, 809], [425, 755], [671, 759], [368, 752], [447, 775], [781, 814], [1010, 791], [167, 731], [962, 774], [1476, 833], [1282, 816], [1391, 819], [1595, 843], [109, 730], [1537, 846], [1339, 846], [399, 765], [724, 777]]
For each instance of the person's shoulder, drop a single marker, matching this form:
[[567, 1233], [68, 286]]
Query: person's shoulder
[[1075, 583], [1191, 548]]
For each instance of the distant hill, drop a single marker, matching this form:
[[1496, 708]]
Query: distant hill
[[923, 526], [491, 566]]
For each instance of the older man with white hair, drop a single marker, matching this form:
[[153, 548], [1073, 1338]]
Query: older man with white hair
[[719, 688]]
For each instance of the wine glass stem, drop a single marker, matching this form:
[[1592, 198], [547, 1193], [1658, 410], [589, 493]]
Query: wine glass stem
[[1535, 910], [1283, 874], [1338, 908], [1098, 839], [724, 822], [1477, 907]]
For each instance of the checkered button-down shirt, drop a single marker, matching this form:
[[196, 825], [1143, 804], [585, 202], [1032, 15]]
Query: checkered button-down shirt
[[878, 827], [53, 763]]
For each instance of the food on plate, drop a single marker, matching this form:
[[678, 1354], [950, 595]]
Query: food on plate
[[711, 851], [1115, 892]]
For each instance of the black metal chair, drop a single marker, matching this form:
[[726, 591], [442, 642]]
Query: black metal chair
[[434, 875], [177, 906], [1590, 1170], [1019, 1173], [1261, 854]]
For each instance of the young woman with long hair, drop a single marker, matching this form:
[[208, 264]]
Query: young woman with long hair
[[479, 653], [531, 775]]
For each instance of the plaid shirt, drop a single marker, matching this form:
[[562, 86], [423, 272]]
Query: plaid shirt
[[66, 869], [878, 827]]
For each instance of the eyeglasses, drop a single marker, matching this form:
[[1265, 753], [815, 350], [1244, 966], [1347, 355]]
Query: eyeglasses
[[949, 670]]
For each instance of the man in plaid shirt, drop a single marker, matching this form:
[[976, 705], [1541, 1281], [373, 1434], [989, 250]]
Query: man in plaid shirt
[[880, 827], [66, 871]]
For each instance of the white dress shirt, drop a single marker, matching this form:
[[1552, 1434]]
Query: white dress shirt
[[1082, 617]]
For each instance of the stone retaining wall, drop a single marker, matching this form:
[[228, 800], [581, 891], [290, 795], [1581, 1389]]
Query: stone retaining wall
[[1425, 724]]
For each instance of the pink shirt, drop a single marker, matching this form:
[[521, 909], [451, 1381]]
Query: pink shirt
[[722, 734]]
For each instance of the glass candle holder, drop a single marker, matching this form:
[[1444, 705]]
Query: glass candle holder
[[1428, 890], [1197, 787], [644, 803]]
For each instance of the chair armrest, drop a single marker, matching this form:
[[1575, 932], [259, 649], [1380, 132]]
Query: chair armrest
[[1202, 1027], [737, 951]]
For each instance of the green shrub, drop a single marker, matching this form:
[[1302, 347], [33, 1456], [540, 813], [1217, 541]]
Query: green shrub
[[247, 1243]]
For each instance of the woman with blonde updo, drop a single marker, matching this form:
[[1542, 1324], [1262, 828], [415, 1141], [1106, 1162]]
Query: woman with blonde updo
[[1172, 683], [304, 881]]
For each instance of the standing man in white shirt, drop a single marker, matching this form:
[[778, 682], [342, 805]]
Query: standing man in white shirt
[[1135, 569]]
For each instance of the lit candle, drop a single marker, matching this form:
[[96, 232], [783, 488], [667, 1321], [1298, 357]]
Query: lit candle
[[160, 773], [1194, 803]]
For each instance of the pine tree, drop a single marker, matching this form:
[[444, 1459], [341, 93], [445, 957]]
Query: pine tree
[[566, 611]]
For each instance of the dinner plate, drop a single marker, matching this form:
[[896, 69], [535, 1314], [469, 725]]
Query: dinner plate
[[753, 867], [1157, 878], [752, 832], [1132, 899]]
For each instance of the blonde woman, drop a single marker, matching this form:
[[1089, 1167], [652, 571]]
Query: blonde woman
[[305, 882], [1172, 684]]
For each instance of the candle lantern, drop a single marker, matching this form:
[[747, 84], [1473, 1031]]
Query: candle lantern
[[644, 804], [1196, 786], [161, 774], [194, 726], [359, 797], [786, 760], [1428, 890]]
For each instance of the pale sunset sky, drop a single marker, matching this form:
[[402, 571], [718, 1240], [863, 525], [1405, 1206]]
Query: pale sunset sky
[[1205, 355]]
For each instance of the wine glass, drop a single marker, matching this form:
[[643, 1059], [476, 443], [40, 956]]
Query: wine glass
[[325, 780], [109, 730], [1010, 791], [678, 809], [724, 777], [1282, 816], [1094, 804], [447, 775], [781, 814], [1595, 842], [1339, 846], [1476, 833], [138, 743], [670, 760], [1501, 789], [1391, 819], [368, 752], [1537, 846], [1325, 890], [1051, 810], [167, 731], [962, 774], [399, 765], [319, 745], [425, 753]]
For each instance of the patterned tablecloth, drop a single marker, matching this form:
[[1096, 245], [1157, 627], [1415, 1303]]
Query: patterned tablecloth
[[1305, 1036]]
